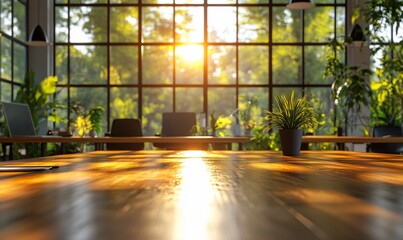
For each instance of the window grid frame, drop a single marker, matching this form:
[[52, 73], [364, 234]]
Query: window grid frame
[[205, 85]]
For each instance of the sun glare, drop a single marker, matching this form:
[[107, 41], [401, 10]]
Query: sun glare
[[189, 53], [195, 200]]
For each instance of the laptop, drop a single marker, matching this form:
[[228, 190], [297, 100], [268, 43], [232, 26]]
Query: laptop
[[19, 120], [20, 124]]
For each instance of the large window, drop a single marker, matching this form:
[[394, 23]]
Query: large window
[[140, 58], [13, 50]]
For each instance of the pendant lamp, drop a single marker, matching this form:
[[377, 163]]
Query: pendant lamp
[[357, 34], [300, 4], [37, 38]]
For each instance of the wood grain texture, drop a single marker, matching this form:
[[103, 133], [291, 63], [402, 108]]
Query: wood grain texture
[[205, 195]]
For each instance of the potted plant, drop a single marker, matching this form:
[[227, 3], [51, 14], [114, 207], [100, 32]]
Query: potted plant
[[292, 116], [87, 123]]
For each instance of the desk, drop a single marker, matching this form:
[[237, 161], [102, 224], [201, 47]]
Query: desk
[[205, 195], [99, 141]]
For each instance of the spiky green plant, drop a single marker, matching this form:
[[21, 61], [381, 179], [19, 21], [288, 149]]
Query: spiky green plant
[[290, 113]]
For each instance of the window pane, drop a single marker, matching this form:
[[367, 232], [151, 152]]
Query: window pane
[[20, 67], [88, 1], [19, 21], [61, 64], [399, 35], [157, 24], [189, 1], [124, 1], [157, 1], [88, 24], [315, 65], [253, 65], [319, 24], [90, 98], [157, 65], [5, 91], [221, 24], [221, 101], [287, 64], [278, 91], [124, 24], [340, 21], [6, 66], [61, 28], [189, 24], [124, 103], [256, 113], [123, 65], [253, 24], [88, 64], [189, 64], [253, 1], [221, 1], [189, 99], [16, 89], [62, 98], [155, 102], [287, 25], [5, 13], [222, 65], [320, 100]]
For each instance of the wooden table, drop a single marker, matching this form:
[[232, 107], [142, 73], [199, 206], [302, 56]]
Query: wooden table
[[205, 195], [99, 141]]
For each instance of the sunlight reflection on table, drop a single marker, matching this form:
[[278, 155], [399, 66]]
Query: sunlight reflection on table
[[195, 198]]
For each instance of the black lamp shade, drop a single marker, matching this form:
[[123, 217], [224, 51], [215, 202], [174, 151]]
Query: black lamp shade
[[37, 37], [357, 34], [300, 4]]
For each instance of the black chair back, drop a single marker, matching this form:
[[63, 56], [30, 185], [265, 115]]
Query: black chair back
[[387, 131], [126, 127], [175, 124]]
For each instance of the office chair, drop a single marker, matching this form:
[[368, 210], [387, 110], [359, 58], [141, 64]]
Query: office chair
[[386, 131], [125, 127], [175, 124]]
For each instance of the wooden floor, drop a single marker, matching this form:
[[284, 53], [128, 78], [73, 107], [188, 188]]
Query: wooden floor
[[205, 195]]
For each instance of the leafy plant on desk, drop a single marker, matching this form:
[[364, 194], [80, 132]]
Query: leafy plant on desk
[[291, 115], [218, 123], [87, 121]]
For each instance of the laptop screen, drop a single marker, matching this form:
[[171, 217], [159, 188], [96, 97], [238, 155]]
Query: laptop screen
[[19, 120]]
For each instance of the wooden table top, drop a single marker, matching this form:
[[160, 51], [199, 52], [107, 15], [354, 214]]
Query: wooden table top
[[205, 195], [150, 139]]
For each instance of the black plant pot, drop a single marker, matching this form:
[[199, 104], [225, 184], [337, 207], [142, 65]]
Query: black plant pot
[[291, 141]]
